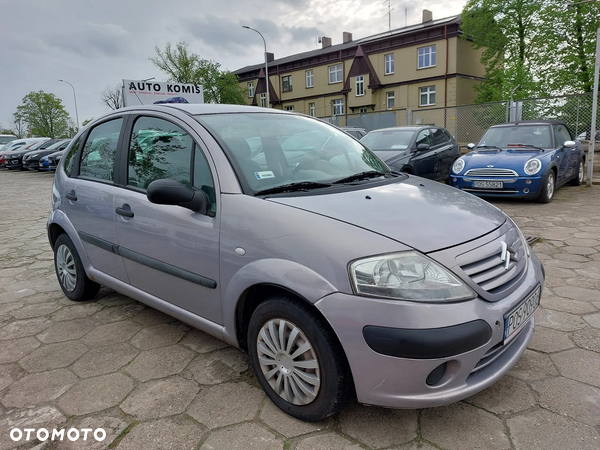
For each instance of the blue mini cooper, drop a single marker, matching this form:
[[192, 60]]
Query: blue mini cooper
[[527, 159]]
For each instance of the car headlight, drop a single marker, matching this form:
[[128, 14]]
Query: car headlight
[[407, 276], [458, 165], [532, 166]]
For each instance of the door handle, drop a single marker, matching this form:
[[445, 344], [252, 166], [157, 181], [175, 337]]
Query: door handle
[[124, 212], [71, 196]]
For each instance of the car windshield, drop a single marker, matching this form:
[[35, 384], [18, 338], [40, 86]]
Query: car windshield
[[533, 135], [274, 150], [388, 140]]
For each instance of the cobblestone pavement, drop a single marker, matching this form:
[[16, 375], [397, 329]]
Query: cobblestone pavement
[[152, 382]]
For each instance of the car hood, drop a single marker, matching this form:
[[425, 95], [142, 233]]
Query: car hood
[[502, 158], [419, 213], [391, 156]]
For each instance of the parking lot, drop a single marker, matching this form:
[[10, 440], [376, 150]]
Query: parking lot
[[152, 382]]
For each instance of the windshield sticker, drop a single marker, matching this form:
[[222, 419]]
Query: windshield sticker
[[263, 175]]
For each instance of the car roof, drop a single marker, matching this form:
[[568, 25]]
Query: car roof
[[531, 122], [407, 128], [205, 108]]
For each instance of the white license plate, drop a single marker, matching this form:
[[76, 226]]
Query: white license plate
[[488, 184], [523, 312]]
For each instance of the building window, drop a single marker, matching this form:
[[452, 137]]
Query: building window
[[312, 109], [427, 96], [426, 57], [338, 106], [362, 109], [335, 74], [289, 108], [391, 100], [360, 85], [310, 79], [250, 89], [263, 100], [286, 83], [389, 64]]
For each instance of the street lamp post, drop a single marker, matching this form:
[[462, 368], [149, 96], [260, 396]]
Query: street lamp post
[[75, 99], [266, 61]]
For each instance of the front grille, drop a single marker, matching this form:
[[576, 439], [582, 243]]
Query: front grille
[[493, 354], [487, 265], [490, 172]]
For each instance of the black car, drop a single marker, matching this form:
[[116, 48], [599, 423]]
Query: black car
[[31, 160], [427, 151], [14, 160]]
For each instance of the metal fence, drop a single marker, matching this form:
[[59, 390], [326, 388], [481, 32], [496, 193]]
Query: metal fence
[[468, 123]]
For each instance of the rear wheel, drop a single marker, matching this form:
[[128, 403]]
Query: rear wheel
[[547, 188], [578, 180], [70, 273], [297, 359]]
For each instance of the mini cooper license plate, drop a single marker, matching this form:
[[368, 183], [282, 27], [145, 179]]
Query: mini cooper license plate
[[488, 184], [523, 312]]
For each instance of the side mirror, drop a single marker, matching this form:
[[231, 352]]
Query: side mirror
[[422, 147], [569, 144], [471, 146], [171, 192]]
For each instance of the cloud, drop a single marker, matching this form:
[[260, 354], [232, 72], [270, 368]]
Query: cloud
[[92, 40]]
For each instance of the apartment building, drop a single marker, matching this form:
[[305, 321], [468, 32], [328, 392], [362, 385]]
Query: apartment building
[[420, 66]]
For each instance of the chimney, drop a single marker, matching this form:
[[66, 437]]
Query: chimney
[[270, 57], [326, 41], [346, 37], [427, 16]]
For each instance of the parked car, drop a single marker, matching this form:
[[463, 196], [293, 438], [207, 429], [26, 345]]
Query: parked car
[[14, 159], [172, 100], [18, 145], [335, 274], [426, 151], [6, 138], [527, 159], [50, 162], [31, 160], [355, 132]]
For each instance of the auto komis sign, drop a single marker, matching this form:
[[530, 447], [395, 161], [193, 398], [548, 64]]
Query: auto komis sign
[[143, 92]]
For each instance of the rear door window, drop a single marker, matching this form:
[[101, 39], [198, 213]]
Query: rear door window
[[98, 155]]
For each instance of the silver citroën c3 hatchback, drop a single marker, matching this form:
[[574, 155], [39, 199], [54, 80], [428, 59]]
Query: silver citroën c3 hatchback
[[284, 236]]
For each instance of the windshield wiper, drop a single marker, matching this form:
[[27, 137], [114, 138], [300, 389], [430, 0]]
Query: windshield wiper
[[293, 187], [512, 146], [360, 176]]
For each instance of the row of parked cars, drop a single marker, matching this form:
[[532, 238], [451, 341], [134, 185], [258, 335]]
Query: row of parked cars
[[41, 154]]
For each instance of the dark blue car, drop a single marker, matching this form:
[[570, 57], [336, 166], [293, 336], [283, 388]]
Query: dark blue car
[[527, 159]]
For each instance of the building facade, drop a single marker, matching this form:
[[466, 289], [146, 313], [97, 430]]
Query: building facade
[[421, 66]]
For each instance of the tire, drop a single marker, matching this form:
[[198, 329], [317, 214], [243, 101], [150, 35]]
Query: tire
[[70, 273], [548, 186], [322, 362], [580, 176]]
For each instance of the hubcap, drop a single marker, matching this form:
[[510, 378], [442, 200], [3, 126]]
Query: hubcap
[[288, 361], [550, 185], [65, 268]]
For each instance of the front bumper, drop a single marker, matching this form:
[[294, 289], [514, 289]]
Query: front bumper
[[516, 187], [437, 372], [14, 163]]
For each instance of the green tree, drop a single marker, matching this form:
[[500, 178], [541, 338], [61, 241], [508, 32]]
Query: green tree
[[44, 115], [183, 66], [19, 124], [510, 34]]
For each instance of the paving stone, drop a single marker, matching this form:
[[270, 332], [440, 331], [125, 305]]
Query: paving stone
[[160, 362], [11, 296], [53, 356], [576, 293], [118, 313], [533, 366], [593, 320], [416, 445], [47, 417], [558, 272], [285, 424], [160, 398], [461, 426], [66, 331], [567, 397], [159, 335], [113, 426], [246, 436], [112, 333], [38, 388], [78, 311], [220, 366], [508, 395], [327, 441], [29, 312], [22, 328], [150, 316], [209, 409], [567, 305], [202, 342], [378, 427], [588, 339], [164, 434], [5, 308], [549, 341], [95, 394], [580, 365], [558, 320], [103, 360], [16, 349], [9, 373], [541, 429]]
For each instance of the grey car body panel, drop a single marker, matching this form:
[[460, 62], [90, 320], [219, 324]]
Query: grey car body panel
[[395, 208]]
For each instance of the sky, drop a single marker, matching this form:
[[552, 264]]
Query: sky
[[94, 44]]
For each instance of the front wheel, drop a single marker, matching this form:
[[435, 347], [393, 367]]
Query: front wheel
[[578, 180], [547, 188], [297, 359], [70, 273]]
